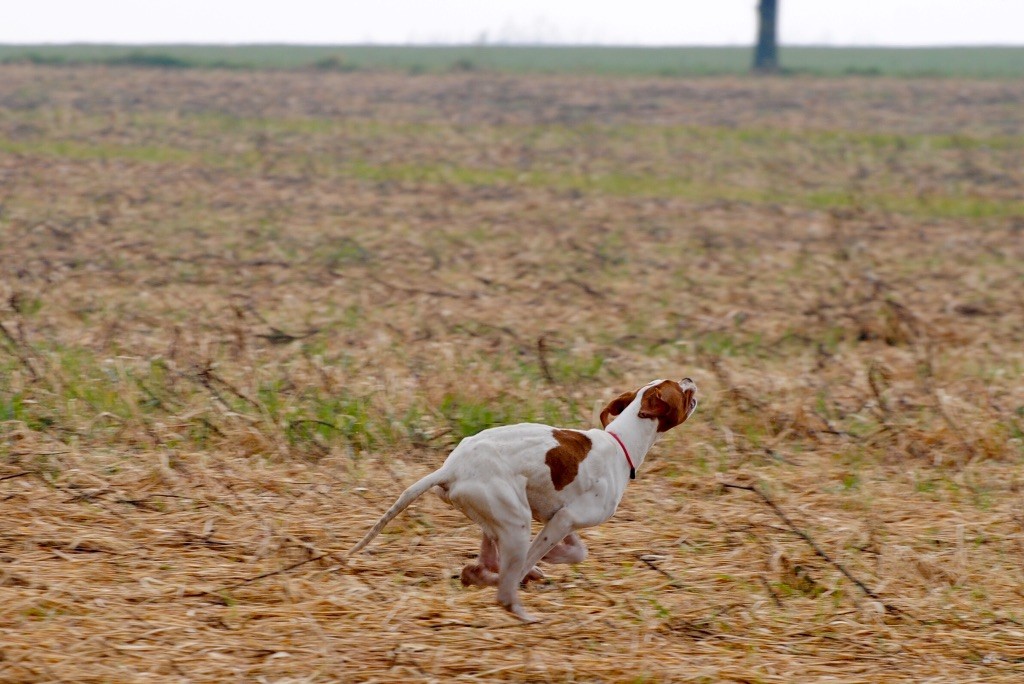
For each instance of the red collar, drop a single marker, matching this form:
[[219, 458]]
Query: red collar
[[632, 468]]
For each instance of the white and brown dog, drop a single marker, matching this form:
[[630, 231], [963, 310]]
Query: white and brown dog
[[566, 479]]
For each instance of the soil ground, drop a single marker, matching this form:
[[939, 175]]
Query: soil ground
[[242, 311]]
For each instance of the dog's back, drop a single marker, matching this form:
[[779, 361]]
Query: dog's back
[[547, 464]]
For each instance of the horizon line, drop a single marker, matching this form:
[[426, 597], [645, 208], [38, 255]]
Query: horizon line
[[612, 46]]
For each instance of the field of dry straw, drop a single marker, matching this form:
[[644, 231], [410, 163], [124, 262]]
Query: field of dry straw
[[241, 311]]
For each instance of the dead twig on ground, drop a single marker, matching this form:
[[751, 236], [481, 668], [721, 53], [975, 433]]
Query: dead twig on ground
[[651, 562], [771, 592], [417, 290], [814, 546], [19, 353], [542, 350], [207, 377], [279, 571]]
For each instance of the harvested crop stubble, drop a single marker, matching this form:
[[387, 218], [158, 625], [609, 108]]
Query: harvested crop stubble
[[242, 311]]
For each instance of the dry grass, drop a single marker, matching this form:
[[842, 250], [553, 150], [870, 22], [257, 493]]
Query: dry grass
[[242, 311]]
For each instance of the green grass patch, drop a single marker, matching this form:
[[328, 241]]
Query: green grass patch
[[665, 179], [974, 62]]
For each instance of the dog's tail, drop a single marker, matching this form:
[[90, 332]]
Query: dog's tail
[[408, 496]]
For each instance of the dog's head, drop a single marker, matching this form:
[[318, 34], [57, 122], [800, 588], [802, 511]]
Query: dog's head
[[666, 401]]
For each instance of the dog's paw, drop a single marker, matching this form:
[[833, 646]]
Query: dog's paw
[[535, 575], [520, 612], [476, 575]]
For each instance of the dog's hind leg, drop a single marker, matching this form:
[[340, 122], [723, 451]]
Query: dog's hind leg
[[513, 542], [511, 518], [503, 512], [483, 573]]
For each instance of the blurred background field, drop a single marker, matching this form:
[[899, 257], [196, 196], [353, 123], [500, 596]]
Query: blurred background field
[[973, 62], [242, 309]]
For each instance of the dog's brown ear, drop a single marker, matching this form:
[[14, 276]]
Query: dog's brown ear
[[617, 406]]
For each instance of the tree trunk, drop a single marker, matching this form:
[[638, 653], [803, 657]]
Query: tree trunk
[[766, 59]]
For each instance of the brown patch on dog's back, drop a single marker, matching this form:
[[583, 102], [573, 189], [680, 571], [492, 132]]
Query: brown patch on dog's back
[[564, 460]]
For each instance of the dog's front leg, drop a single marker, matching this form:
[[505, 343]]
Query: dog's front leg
[[570, 550], [557, 528]]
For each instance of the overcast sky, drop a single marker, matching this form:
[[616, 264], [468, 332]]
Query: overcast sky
[[630, 22]]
